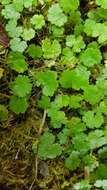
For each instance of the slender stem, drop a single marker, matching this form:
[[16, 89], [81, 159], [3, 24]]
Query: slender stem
[[42, 123], [36, 158]]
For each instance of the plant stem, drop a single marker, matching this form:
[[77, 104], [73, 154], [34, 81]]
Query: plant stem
[[37, 157]]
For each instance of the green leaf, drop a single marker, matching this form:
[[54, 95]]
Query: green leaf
[[21, 86], [18, 105], [51, 49], [75, 19], [19, 65], [92, 94], [28, 34], [93, 120], [79, 45], [73, 161], [63, 136], [13, 30], [102, 85], [28, 3], [81, 143], [101, 183], [88, 26], [44, 102], [9, 12], [76, 79], [97, 139], [70, 40], [75, 101], [69, 5], [3, 113], [47, 146], [48, 80], [94, 29], [68, 57], [76, 126], [56, 15], [34, 51], [101, 172], [57, 117], [76, 43], [12, 56], [60, 101], [90, 57], [102, 153], [18, 4], [38, 21], [4, 2], [57, 31], [82, 185], [17, 62], [17, 45], [90, 162], [78, 29], [103, 107], [102, 3]]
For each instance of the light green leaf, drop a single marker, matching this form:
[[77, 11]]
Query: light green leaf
[[9, 12], [28, 34], [38, 21], [89, 26], [4, 2], [13, 30], [28, 3], [102, 3], [83, 185], [17, 45], [68, 57], [51, 49], [18, 4], [56, 15], [69, 5]]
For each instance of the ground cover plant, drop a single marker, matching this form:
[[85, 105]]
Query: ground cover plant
[[53, 94]]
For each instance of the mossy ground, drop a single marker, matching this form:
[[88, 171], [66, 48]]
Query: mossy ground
[[17, 161]]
